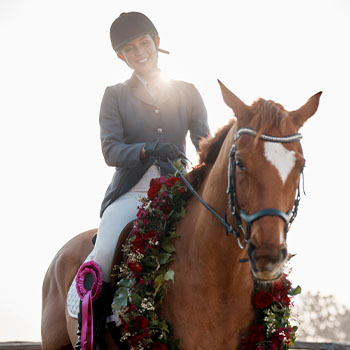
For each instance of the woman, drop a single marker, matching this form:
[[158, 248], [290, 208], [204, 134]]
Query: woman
[[144, 121]]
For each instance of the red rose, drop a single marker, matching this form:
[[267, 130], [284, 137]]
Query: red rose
[[138, 244], [151, 234], [277, 340], [166, 208], [135, 266], [285, 300], [247, 345], [159, 346], [263, 299], [257, 333], [135, 339], [155, 186], [141, 322], [280, 287], [172, 181], [125, 327]]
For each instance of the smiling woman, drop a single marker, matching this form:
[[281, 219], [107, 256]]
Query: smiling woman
[[55, 62], [143, 124]]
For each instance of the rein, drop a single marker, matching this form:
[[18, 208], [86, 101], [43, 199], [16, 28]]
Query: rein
[[237, 213]]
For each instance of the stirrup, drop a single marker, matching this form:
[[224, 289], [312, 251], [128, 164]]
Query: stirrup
[[78, 343]]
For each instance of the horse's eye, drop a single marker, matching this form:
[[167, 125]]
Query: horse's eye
[[240, 164]]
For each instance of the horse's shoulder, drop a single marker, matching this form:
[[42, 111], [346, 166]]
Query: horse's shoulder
[[72, 254]]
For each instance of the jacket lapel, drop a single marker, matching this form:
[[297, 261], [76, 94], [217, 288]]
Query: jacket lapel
[[140, 91], [165, 92]]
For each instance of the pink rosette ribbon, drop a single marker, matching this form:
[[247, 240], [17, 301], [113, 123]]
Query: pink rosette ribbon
[[89, 285]]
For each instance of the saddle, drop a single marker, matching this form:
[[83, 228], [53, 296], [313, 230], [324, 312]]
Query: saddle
[[73, 299], [118, 254]]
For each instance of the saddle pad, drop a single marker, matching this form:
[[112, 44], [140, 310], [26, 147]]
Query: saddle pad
[[73, 299]]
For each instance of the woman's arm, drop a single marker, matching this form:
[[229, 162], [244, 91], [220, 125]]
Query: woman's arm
[[199, 120], [115, 151]]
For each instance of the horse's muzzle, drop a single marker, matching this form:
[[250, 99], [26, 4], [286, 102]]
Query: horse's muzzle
[[267, 262]]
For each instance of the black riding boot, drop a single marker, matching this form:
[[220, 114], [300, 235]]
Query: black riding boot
[[78, 343], [101, 309]]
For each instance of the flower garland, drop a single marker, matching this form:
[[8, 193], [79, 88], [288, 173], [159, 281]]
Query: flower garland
[[272, 329], [143, 277]]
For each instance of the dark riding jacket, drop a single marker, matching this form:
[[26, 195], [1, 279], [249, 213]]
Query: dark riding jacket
[[130, 117]]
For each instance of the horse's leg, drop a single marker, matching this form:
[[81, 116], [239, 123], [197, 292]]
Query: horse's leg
[[54, 335], [57, 331]]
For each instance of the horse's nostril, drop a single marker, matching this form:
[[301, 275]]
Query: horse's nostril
[[284, 254], [251, 250]]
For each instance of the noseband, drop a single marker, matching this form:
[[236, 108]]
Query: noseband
[[237, 212]]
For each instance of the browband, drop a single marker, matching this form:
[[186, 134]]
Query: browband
[[281, 139]]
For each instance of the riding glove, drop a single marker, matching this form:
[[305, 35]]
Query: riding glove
[[162, 150]]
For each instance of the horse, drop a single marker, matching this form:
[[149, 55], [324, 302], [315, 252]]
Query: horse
[[210, 304]]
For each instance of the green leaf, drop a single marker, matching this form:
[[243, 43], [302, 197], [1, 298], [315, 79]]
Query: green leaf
[[158, 283], [120, 298], [295, 291], [126, 282], [136, 299], [178, 164], [169, 247], [163, 258], [182, 213], [170, 275], [159, 279]]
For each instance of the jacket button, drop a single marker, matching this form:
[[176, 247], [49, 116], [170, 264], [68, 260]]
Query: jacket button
[[160, 130], [156, 111]]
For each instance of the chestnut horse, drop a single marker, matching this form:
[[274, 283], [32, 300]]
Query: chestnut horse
[[209, 305]]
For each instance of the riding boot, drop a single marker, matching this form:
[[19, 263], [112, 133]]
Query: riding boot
[[101, 309], [78, 343]]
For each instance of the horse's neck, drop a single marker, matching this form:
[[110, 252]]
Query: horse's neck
[[209, 243], [212, 287]]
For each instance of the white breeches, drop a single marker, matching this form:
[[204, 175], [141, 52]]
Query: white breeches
[[116, 216]]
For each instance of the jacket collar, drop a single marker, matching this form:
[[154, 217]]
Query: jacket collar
[[140, 91]]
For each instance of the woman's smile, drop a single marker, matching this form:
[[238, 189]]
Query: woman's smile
[[141, 54]]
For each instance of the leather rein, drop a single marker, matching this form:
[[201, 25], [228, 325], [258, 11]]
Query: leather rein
[[237, 213]]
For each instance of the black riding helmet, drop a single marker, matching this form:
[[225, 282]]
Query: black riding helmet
[[129, 26]]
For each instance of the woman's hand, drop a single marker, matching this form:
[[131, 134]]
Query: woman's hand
[[162, 150]]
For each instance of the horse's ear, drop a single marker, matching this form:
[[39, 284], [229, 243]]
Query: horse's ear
[[238, 107], [301, 115]]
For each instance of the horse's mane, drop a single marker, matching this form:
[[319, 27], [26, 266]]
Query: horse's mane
[[209, 149], [262, 116]]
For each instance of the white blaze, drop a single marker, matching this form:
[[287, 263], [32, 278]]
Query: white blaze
[[281, 158]]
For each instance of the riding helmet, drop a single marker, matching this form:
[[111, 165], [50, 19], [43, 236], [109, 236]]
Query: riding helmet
[[129, 26]]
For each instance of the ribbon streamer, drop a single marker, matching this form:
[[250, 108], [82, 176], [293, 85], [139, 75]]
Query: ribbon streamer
[[89, 285]]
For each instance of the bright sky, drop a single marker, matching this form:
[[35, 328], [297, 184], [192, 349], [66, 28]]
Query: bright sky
[[55, 63]]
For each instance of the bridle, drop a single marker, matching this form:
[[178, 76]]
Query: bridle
[[237, 213]]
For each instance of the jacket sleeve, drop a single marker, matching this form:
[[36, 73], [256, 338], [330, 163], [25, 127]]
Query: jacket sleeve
[[115, 151], [199, 120]]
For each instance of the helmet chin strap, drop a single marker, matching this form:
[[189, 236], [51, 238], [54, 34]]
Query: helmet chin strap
[[163, 51]]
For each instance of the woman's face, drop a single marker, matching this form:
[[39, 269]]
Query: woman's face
[[141, 54]]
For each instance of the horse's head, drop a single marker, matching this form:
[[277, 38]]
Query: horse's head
[[265, 165]]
